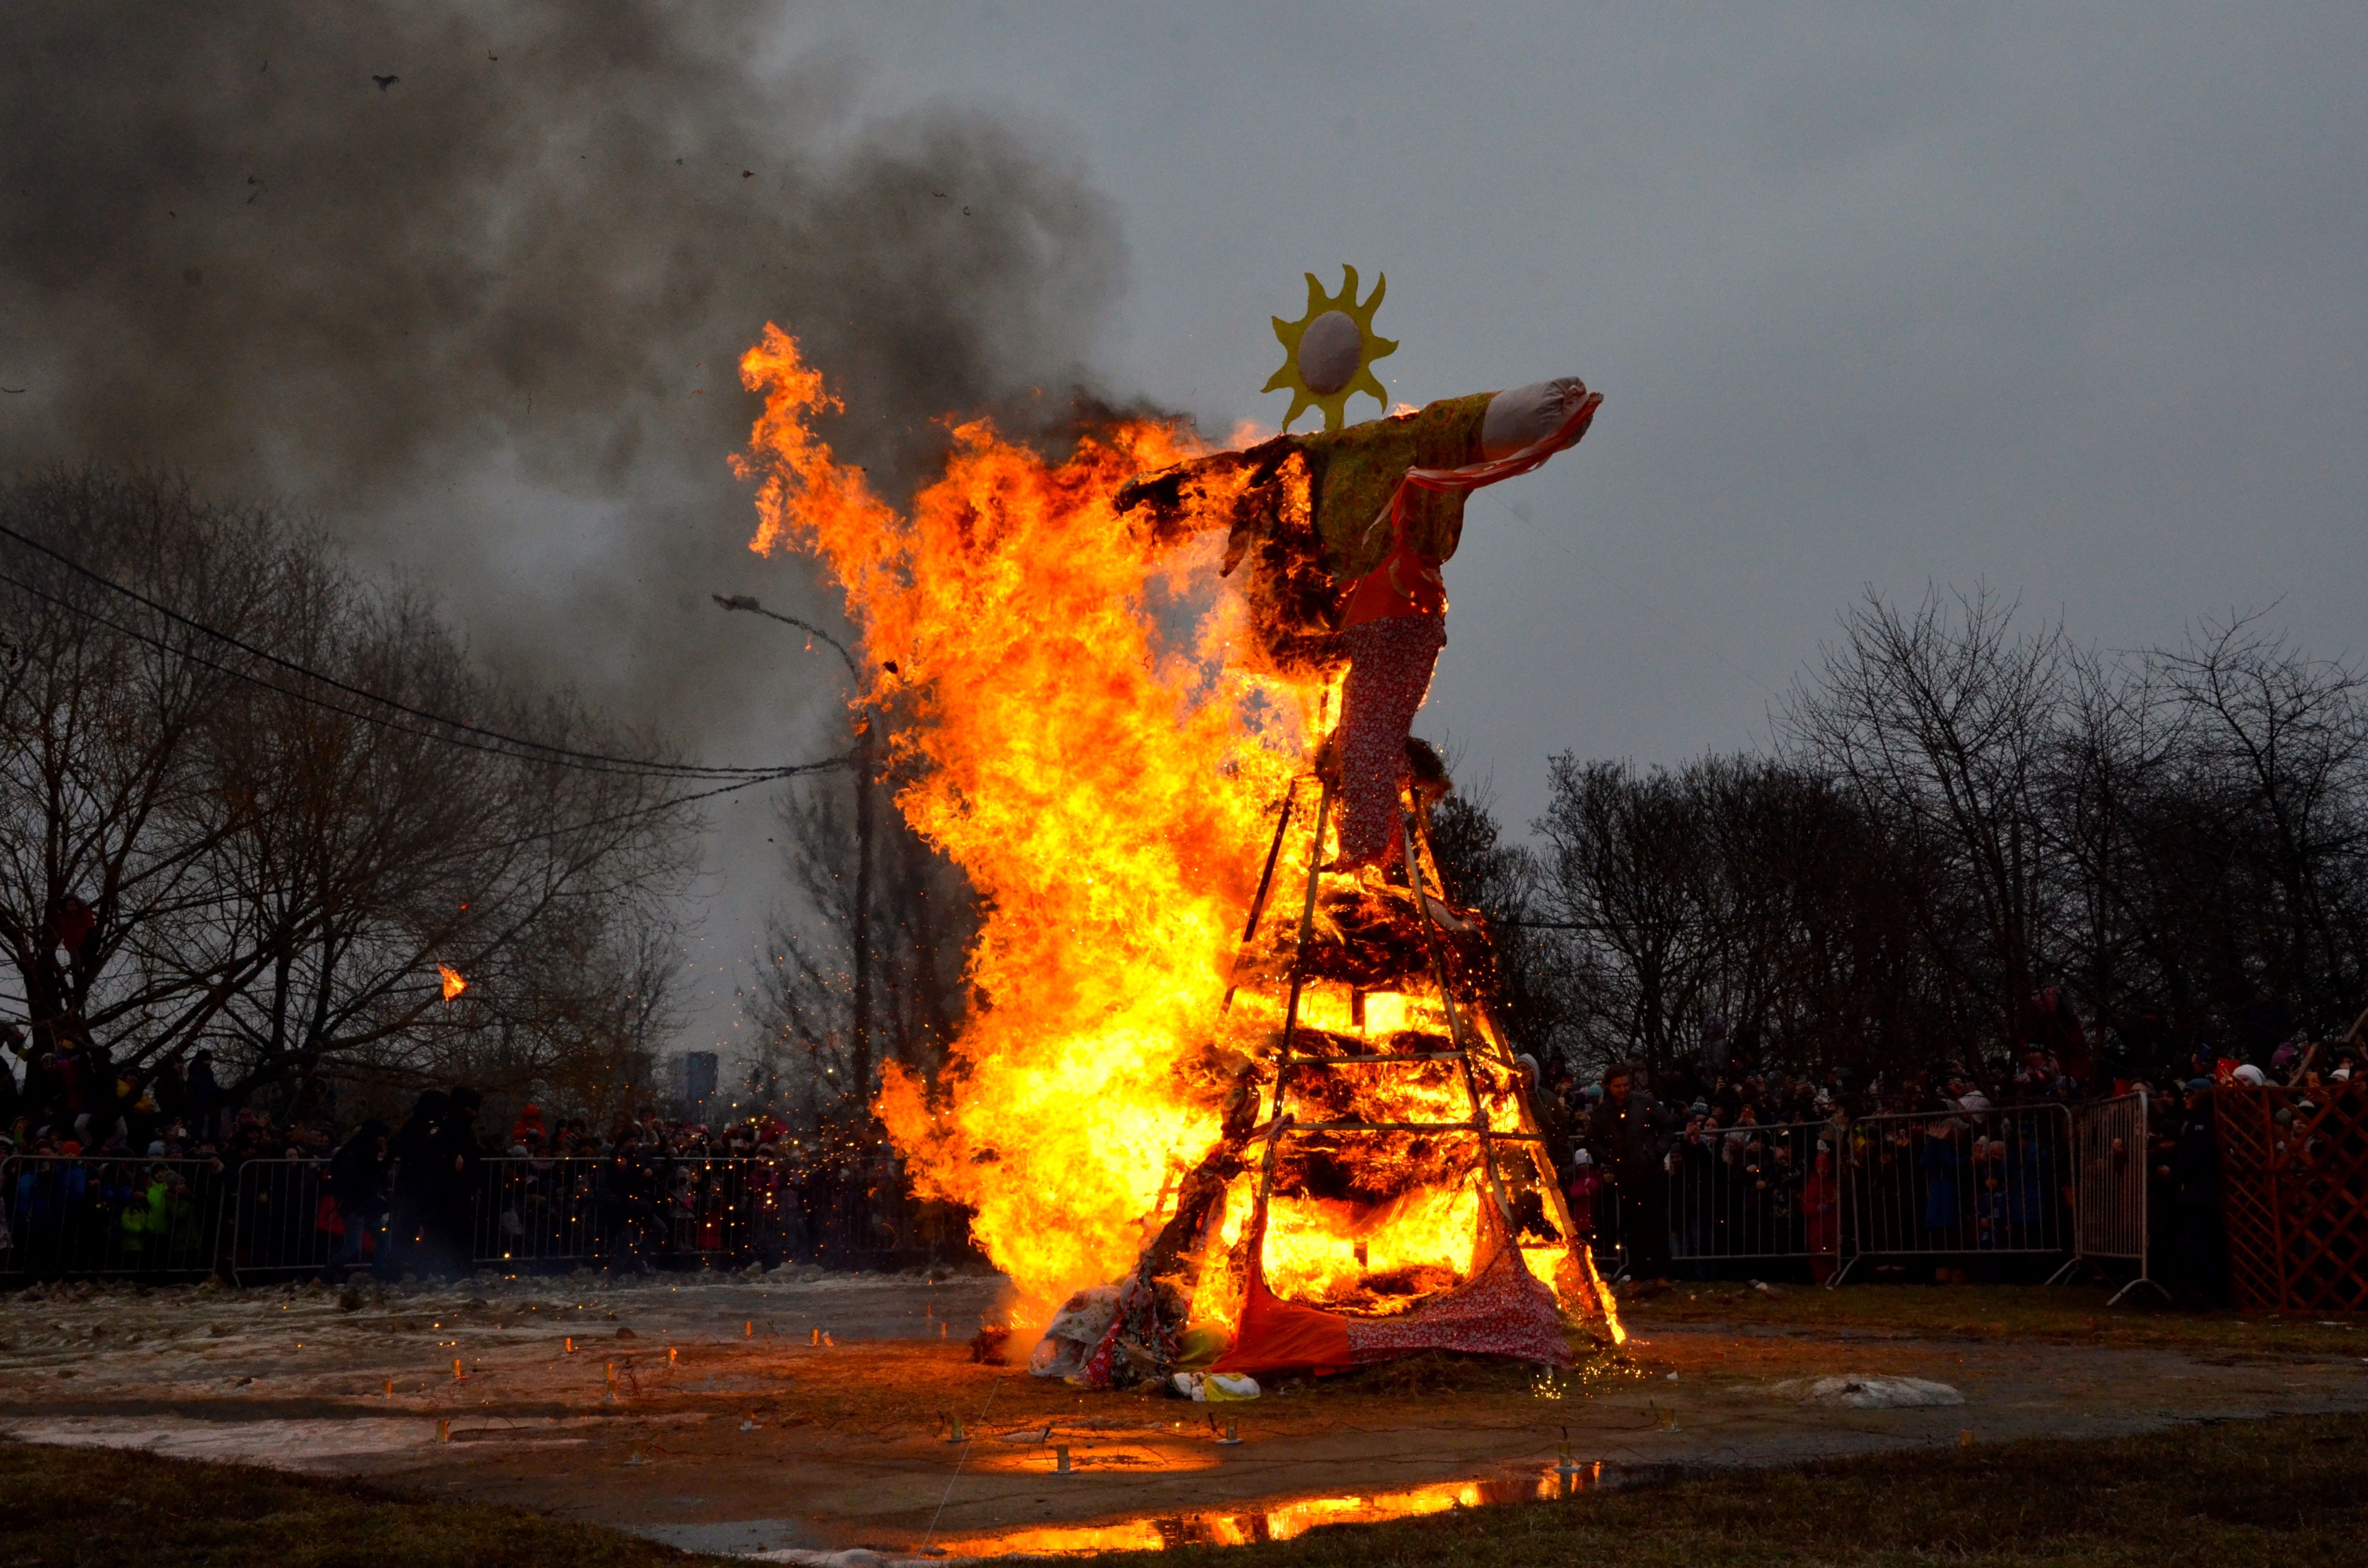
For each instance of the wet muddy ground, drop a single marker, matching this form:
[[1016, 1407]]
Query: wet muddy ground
[[705, 1412]]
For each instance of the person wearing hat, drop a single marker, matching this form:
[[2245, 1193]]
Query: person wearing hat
[[1553, 1120], [413, 1188], [1579, 1191], [528, 1134], [1821, 1213], [205, 1095], [358, 1185], [458, 1159], [1632, 1131], [2198, 1249]]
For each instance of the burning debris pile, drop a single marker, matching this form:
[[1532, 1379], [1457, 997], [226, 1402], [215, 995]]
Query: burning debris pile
[[1294, 1142]]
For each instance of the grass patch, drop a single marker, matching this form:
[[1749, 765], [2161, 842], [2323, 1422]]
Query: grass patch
[[105, 1508], [2292, 1493], [2062, 1313]]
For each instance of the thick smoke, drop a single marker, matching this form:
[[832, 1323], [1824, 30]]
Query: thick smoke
[[470, 283]]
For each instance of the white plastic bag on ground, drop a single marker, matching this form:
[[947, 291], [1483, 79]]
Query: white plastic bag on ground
[[1215, 1388], [1867, 1391]]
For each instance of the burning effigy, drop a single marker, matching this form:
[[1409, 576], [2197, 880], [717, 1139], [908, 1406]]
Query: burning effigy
[[1229, 1099]]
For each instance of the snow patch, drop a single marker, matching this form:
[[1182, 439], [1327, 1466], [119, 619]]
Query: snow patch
[[1865, 1391]]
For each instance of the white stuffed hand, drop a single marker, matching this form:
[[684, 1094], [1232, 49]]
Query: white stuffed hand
[[1523, 417]]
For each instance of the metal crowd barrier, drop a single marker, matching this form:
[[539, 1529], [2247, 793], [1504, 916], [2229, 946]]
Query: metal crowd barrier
[[536, 1212], [283, 1219], [2109, 1190], [109, 1217], [1965, 1184], [1955, 1185], [1752, 1191], [528, 1212], [719, 1211], [2024, 1181]]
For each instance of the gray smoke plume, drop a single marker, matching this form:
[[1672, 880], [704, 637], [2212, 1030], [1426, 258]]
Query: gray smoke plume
[[470, 282]]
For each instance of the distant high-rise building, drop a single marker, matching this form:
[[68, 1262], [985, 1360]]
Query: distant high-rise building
[[691, 1079]]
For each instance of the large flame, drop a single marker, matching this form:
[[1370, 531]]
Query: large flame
[[1094, 767], [1087, 731]]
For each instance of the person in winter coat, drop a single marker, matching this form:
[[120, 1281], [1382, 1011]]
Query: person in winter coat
[[205, 1093], [1821, 1214], [414, 1191], [358, 1186], [1579, 1190], [1630, 1130], [458, 1160], [2199, 1252]]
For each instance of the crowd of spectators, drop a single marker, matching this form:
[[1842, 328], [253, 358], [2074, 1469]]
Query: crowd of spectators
[[1719, 1161], [167, 1174], [1723, 1161]]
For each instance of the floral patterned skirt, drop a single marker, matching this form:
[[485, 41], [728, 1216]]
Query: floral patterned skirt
[[1389, 663]]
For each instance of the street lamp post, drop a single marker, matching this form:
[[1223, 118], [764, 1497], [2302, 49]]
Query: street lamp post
[[859, 1012]]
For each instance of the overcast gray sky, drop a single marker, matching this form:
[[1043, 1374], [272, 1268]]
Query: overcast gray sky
[[2067, 300]]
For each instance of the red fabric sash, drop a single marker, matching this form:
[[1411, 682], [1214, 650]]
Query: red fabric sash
[[1408, 581]]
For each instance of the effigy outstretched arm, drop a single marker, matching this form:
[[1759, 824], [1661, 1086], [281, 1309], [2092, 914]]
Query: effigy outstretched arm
[[1164, 491]]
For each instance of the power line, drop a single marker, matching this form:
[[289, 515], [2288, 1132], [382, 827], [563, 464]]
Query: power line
[[823, 767], [572, 756], [466, 739]]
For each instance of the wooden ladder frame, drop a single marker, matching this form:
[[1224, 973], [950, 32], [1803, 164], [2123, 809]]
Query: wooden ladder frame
[[1414, 839]]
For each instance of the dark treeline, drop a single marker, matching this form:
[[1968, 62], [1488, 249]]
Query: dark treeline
[[1959, 816], [259, 850]]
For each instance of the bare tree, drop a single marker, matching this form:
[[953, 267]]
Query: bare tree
[[1943, 720], [828, 1023], [235, 828], [2284, 739], [111, 820], [1628, 870]]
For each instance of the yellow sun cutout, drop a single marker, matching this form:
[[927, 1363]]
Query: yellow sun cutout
[[1328, 352]]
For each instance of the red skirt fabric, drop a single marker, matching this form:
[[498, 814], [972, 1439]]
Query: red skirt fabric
[[1503, 1309], [1276, 1335], [1389, 663]]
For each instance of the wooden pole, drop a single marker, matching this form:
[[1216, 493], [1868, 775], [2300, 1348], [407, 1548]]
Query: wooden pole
[[1406, 831], [1266, 881], [1299, 954]]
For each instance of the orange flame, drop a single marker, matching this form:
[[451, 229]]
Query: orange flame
[[453, 983], [1089, 735], [1101, 781]]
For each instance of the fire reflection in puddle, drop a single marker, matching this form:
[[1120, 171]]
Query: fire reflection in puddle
[[1129, 1458], [1282, 1520]]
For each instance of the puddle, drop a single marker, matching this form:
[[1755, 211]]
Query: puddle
[[1086, 1455], [1286, 1519]]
